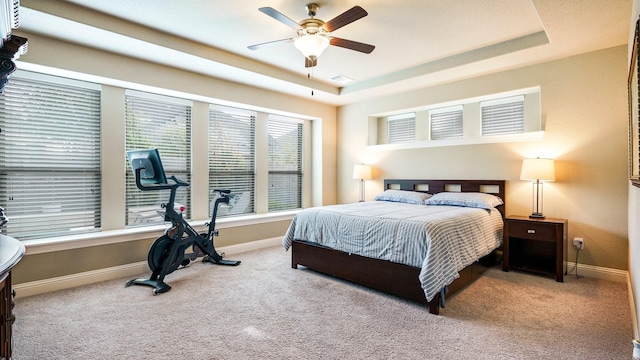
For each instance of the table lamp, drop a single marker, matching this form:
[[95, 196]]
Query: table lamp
[[362, 172], [537, 170]]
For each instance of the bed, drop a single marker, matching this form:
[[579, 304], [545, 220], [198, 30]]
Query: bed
[[326, 239]]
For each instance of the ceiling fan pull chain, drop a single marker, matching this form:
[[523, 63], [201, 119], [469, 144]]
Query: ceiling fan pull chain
[[309, 76]]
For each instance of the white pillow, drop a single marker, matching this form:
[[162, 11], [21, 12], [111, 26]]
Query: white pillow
[[404, 196], [468, 199]]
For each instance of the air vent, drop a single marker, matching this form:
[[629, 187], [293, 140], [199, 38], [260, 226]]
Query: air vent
[[341, 79]]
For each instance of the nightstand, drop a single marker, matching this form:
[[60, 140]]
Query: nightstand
[[535, 245]]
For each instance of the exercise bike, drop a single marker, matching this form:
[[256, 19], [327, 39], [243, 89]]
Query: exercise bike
[[167, 253]]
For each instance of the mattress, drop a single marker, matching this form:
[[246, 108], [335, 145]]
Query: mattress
[[440, 240]]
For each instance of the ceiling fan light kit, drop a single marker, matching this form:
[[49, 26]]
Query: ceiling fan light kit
[[311, 46], [314, 35]]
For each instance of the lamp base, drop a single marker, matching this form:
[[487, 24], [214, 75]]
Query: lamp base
[[536, 215]]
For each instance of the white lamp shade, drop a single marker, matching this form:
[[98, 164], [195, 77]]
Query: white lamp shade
[[311, 46], [538, 169], [362, 172]]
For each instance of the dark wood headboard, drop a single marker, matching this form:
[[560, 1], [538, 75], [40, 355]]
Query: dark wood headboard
[[494, 187]]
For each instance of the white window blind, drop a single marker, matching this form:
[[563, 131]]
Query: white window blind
[[163, 123], [232, 158], [503, 116], [446, 123], [285, 164], [49, 157], [401, 128]]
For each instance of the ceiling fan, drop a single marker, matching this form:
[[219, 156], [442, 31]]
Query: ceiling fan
[[314, 35]]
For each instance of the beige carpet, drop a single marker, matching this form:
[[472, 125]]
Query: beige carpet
[[263, 309]]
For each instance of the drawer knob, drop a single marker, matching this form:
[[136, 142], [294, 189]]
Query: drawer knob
[[531, 231]]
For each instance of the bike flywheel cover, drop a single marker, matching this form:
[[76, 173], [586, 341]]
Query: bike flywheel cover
[[159, 253]]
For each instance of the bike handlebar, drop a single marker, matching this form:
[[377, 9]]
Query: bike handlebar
[[178, 183]]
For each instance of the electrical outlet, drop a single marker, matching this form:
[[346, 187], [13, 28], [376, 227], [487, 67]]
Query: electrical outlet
[[578, 243]]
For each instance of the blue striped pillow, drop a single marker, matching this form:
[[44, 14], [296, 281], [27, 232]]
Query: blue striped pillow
[[468, 199], [404, 196]]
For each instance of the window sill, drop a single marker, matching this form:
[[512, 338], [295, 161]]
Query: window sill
[[527, 136], [39, 246]]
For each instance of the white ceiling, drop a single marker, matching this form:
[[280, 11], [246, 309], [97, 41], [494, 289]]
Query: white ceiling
[[418, 42]]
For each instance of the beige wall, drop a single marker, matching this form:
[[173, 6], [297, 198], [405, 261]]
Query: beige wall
[[584, 115], [71, 57]]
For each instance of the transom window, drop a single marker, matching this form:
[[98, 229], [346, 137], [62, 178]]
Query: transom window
[[402, 128], [446, 123], [503, 116]]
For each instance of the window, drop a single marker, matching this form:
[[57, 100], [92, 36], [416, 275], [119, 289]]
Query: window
[[49, 156], [503, 116], [232, 158], [511, 116], [446, 123], [285, 163], [162, 123], [402, 128]]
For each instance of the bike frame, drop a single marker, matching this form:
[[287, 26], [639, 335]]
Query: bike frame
[[182, 234]]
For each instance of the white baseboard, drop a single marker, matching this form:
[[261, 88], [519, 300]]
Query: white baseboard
[[632, 304], [597, 272], [117, 272], [74, 280], [250, 246]]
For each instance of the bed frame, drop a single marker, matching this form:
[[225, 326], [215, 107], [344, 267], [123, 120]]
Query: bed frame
[[393, 278]]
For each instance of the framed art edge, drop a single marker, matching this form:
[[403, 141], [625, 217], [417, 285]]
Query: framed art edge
[[634, 113]]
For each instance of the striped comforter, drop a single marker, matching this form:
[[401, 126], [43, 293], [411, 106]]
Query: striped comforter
[[441, 240]]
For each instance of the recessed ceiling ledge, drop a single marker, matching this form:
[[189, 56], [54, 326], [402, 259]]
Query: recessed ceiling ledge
[[465, 58], [98, 20]]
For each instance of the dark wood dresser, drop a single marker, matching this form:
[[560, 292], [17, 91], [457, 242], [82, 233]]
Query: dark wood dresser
[[11, 251]]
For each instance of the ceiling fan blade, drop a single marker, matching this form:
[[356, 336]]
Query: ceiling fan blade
[[310, 62], [345, 18], [352, 45], [257, 46], [280, 17]]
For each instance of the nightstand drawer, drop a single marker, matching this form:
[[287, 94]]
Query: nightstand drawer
[[532, 230]]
